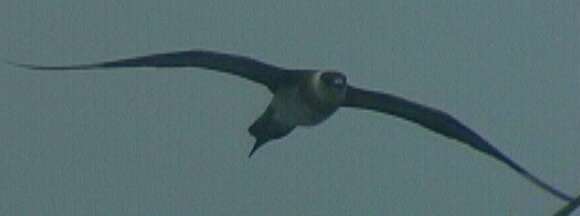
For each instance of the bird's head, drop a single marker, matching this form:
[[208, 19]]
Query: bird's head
[[330, 86], [333, 80]]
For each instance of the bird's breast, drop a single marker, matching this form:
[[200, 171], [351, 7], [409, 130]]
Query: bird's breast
[[293, 106]]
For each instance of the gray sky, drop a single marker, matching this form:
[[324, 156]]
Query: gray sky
[[174, 142]]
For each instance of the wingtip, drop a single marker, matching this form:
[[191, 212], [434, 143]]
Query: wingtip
[[549, 188], [42, 67], [569, 208], [25, 66], [15, 64]]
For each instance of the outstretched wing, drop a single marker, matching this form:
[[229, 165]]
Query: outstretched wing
[[245, 67], [439, 122]]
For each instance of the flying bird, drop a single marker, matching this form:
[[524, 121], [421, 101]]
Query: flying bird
[[305, 97]]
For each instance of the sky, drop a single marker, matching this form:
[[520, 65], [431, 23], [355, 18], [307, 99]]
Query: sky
[[175, 141]]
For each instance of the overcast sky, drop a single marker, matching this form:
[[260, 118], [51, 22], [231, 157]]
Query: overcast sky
[[175, 142]]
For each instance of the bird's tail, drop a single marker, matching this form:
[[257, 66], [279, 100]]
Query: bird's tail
[[259, 143]]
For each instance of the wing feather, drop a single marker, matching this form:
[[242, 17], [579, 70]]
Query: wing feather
[[245, 67], [439, 122]]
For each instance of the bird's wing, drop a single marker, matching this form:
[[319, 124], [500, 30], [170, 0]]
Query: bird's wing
[[439, 122], [569, 208], [245, 67]]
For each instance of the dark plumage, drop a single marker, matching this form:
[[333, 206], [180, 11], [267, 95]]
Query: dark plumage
[[308, 97]]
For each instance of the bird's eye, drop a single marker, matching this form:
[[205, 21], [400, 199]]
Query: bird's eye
[[333, 79], [338, 82]]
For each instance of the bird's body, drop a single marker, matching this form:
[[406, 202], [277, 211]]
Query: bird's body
[[308, 97], [292, 109], [306, 103], [301, 101]]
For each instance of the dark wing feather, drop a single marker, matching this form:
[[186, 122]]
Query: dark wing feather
[[245, 67], [569, 208], [439, 122]]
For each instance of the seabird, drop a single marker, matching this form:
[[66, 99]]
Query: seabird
[[304, 97]]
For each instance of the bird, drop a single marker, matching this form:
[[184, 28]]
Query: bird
[[307, 97]]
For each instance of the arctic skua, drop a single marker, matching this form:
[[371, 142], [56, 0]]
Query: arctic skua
[[305, 97]]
